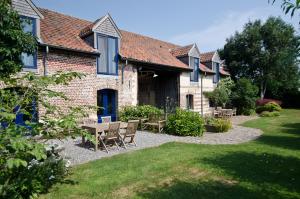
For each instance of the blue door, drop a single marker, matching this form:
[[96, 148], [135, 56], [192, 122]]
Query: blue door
[[106, 100]]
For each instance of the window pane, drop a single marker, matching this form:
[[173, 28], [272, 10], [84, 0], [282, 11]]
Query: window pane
[[192, 66], [218, 71], [28, 25], [102, 60], [215, 75], [189, 102], [112, 55], [196, 66], [216, 68], [28, 60]]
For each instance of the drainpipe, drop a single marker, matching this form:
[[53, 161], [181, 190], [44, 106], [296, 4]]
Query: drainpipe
[[202, 95], [45, 60], [123, 67]]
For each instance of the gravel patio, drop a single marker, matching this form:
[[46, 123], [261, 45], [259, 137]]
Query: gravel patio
[[76, 154]]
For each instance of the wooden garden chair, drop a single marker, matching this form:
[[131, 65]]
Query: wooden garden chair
[[155, 121], [227, 113], [131, 131], [106, 119], [112, 134], [86, 121], [234, 112]]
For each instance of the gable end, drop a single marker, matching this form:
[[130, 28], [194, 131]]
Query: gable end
[[26, 8], [194, 52], [107, 26]]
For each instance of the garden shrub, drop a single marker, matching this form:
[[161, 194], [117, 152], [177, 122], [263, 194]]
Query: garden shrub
[[219, 125], [185, 123], [244, 94], [134, 112], [261, 102], [35, 178], [270, 114], [269, 107]]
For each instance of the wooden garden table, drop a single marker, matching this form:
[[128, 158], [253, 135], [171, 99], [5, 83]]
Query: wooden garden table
[[98, 129]]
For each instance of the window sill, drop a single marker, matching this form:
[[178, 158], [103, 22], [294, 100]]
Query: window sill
[[194, 83], [107, 76], [34, 70]]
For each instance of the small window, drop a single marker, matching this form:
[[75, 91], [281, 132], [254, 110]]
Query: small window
[[216, 69], [189, 102], [107, 63], [195, 66], [29, 26]]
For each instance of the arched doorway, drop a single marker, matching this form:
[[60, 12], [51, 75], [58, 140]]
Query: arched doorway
[[107, 101]]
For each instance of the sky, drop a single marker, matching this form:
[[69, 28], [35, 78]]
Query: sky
[[205, 22]]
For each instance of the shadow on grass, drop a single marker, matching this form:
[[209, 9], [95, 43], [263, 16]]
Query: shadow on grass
[[204, 190], [291, 128], [260, 168], [286, 142]]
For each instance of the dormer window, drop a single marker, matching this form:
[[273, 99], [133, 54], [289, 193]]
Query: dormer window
[[107, 63], [194, 64], [216, 69], [29, 26]]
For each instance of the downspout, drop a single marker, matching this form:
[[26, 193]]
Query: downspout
[[45, 60], [201, 94], [123, 67]]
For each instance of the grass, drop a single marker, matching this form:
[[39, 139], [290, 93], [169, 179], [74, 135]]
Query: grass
[[265, 168]]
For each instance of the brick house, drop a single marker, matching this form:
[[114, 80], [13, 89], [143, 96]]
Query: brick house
[[122, 68]]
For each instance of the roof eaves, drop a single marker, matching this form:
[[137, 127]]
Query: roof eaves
[[151, 63], [70, 49]]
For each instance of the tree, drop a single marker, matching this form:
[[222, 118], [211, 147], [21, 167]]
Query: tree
[[267, 54], [289, 6], [13, 40], [27, 166], [221, 95], [244, 95]]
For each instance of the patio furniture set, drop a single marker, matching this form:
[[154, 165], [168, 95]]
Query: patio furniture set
[[219, 112], [110, 133]]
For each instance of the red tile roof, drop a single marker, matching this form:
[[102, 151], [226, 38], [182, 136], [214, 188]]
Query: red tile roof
[[203, 68], [224, 72], [181, 51], [206, 57], [65, 31], [146, 49]]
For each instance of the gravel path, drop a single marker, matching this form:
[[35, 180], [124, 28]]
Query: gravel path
[[77, 154]]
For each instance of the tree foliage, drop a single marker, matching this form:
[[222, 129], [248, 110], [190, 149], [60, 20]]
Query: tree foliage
[[20, 153], [13, 40], [289, 6], [221, 95], [266, 53], [244, 95], [27, 166]]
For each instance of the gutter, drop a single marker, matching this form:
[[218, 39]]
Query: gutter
[[150, 63], [69, 49]]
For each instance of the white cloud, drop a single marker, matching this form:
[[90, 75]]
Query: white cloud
[[214, 36]]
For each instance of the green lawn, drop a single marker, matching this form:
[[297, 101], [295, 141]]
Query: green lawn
[[266, 168]]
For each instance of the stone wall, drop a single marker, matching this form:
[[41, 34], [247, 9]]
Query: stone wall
[[194, 88]]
